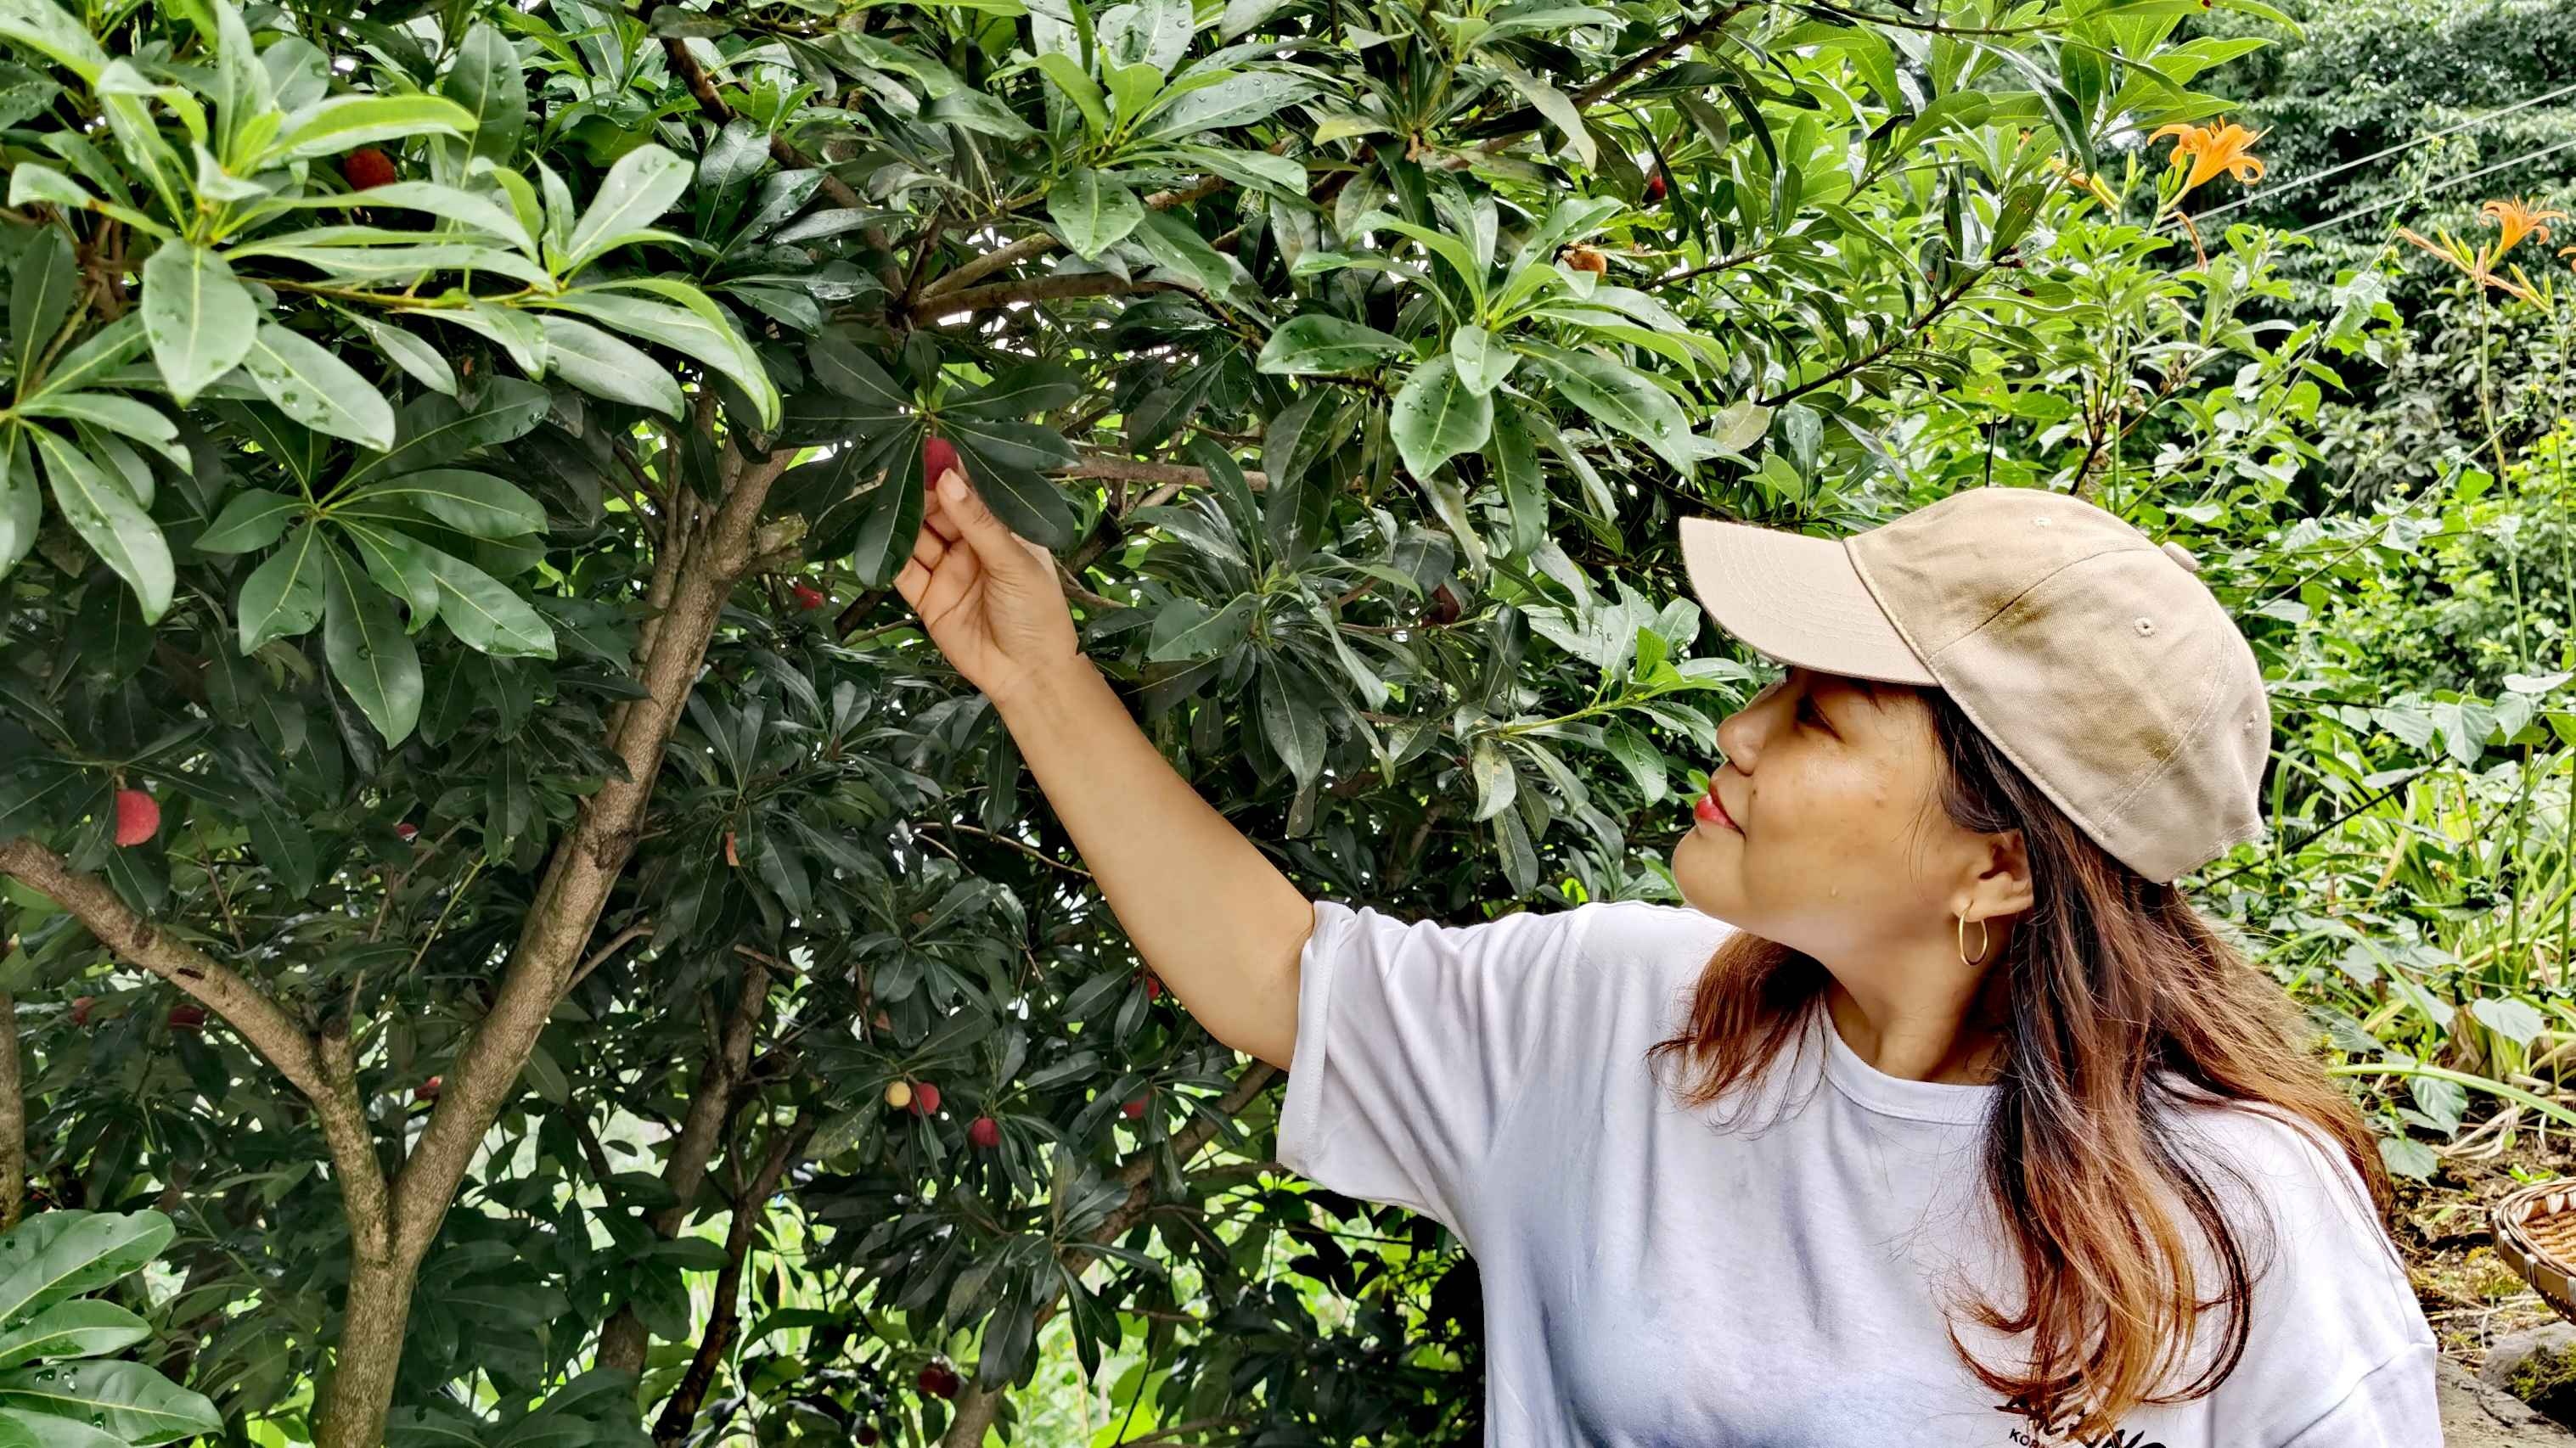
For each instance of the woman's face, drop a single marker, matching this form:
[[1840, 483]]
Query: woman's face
[[1832, 839]]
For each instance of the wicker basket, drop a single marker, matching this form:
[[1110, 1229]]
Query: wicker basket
[[2535, 1233]]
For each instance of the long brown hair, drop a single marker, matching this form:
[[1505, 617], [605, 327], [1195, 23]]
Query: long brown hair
[[2108, 980]]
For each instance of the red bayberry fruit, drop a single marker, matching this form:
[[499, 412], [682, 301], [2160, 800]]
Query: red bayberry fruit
[[985, 1132], [938, 1380], [1655, 187], [1444, 606], [807, 596], [367, 167], [138, 817], [881, 1021], [938, 459], [925, 1098], [866, 1434], [81, 1008], [1133, 1109], [187, 1018], [1153, 987], [408, 831], [427, 1090]]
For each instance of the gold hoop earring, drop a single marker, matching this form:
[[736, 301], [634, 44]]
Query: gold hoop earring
[[1984, 939]]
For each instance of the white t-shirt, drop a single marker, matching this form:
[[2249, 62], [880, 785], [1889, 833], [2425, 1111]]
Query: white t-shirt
[[1650, 1280]]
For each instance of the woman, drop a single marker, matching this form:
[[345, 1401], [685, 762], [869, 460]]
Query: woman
[[1979, 1137]]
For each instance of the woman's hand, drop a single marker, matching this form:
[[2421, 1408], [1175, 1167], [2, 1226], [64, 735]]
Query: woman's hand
[[987, 596]]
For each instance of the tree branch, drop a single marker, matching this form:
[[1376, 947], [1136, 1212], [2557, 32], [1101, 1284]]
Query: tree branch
[[750, 1211], [623, 1340], [262, 1023], [1037, 245], [586, 862], [13, 1119]]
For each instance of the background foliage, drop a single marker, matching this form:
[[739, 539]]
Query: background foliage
[[489, 859]]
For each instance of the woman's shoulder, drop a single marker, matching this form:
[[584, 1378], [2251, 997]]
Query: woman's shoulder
[[1636, 933]]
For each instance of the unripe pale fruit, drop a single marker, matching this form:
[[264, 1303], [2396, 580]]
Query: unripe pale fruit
[[807, 596], [138, 817], [730, 857], [898, 1094], [925, 1098], [938, 459], [368, 167], [1584, 258], [938, 1380], [985, 1132]]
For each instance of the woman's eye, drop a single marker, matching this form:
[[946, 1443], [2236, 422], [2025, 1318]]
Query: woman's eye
[[1807, 710]]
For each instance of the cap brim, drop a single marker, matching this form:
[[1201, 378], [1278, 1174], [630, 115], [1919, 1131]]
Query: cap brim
[[1796, 599]]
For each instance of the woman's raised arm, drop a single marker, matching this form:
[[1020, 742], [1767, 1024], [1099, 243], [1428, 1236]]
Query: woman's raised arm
[[1208, 911]]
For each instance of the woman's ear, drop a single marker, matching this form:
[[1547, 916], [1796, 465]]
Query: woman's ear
[[2002, 885]]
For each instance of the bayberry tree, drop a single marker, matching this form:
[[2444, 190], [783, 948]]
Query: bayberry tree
[[454, 463]]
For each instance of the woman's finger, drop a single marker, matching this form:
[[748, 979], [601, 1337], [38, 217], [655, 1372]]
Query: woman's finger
[[953, 580]]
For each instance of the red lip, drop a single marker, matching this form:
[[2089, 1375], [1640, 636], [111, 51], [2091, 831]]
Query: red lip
[[1711, 809]]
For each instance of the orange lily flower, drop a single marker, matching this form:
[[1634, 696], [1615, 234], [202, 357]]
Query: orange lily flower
[[2514, 220], [2090, 185], [2210, 151]]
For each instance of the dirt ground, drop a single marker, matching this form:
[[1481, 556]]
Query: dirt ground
[[2470, 1296]]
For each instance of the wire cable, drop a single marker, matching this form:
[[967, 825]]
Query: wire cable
[[2444, 185], [2268, 192]]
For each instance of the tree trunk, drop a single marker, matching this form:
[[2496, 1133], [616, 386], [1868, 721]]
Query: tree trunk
[[13, 1119], [360, 1390]]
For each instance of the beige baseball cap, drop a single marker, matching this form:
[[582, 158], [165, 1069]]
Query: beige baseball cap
[[2093, 658]]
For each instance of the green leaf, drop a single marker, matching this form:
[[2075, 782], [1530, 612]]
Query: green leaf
[[2517, 1021], [1093, 211], [40, 297], [1516, 467], [245, 98], [696, 328], [1320, 342], [1185, 629], [1482, 362], [282, 598], [484, 614], [58, 1255], [446, 202], [43, 27], [1436, 416], [22, 508], [433, 430], [102, 352], [643, 184], [317, 389], [345, 122], [485, 80], [1078, 87], [368, 652], [1497, 783], [127, 1399], [107, 517], [22, 1428], [1237, 100], [253, 518], [1292, 724], [201, 321], [603, 366], [110, 412], [82, 1327], [1624, 400], [423, 362], [399, 565], [476, 504], [889, 519]]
